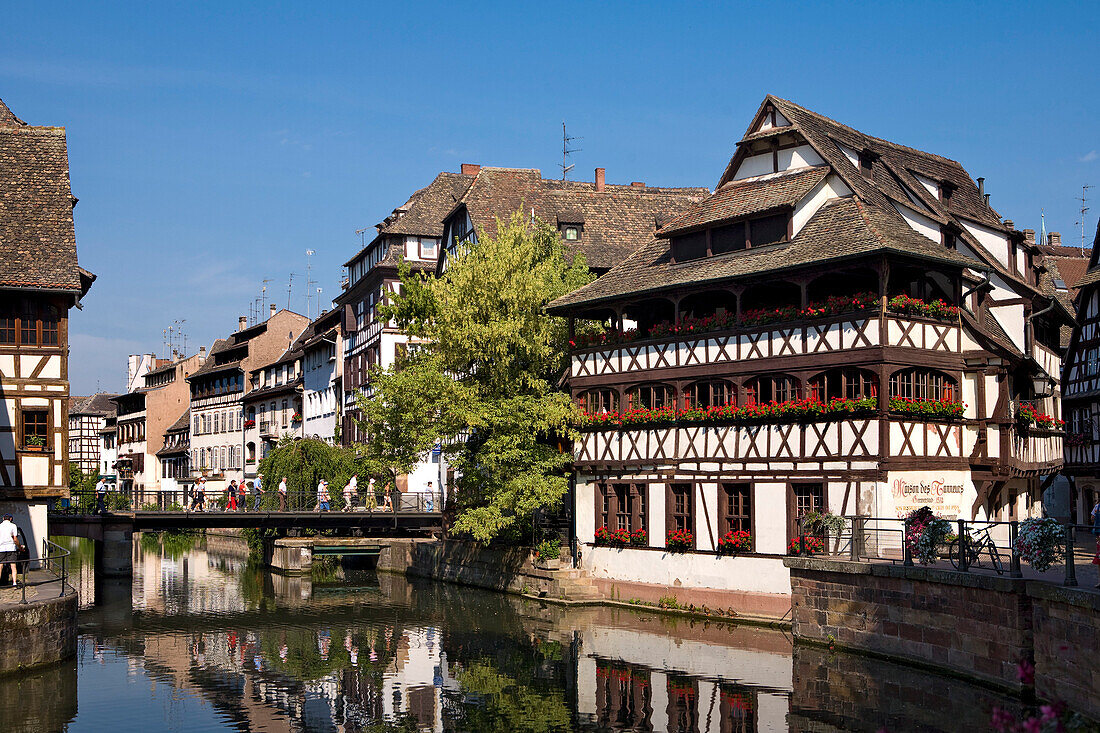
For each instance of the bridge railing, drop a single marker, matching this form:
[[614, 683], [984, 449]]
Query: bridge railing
[[85, 502]]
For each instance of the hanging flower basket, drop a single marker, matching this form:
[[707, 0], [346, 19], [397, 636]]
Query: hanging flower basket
[[1041, 543], [926, 535]]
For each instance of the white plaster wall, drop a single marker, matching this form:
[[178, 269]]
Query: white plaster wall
[[919, 222], [931, 186], [770, 504], [850, 154], [706, 518], [655, 505], [754, 165], [799, 157], [829, 188], [970, 395], [750, 574], [584, 509], [995, 242]]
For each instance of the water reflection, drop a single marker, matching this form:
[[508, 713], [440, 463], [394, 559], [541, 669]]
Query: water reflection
[[203, 640]]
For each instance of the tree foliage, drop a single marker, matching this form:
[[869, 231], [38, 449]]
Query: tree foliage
[[486, 365], [304, 462]]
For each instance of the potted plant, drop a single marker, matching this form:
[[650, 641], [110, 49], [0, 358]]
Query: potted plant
[[925, 534], [36, 443], [734, 542], [806, 545], [1041, 542]]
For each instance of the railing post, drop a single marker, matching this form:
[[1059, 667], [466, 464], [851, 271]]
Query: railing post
[[906, 551], [964, 548], [24, 583], [856, 543], [1013, 533], [64, 576], [801, 536], [1071, 569]]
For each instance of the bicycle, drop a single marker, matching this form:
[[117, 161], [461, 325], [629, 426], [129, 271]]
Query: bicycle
[[975, 545]]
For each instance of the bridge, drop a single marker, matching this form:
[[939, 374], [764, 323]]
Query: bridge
[[113, 532]]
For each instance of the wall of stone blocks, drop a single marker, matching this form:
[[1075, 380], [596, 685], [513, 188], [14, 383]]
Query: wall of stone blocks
[[38, 633]]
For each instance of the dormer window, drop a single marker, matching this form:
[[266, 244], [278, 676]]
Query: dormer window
[[946, 189], [866, 162], [572, 233], [747, 234], [571, 230]]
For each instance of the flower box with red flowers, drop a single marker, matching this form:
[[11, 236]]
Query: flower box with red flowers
[[944, 409], [1028, 416], [612, 537], [680, 540], [809, 409], [1077, 440], [939, 309], [250, 423], [639, 538], [733, 542], [807, 545]]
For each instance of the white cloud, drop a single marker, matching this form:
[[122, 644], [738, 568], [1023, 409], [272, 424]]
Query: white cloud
[[1090, 156]]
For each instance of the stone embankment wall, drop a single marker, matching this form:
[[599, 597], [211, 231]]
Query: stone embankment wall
[[38, 633], [977, 626], [510, 570]]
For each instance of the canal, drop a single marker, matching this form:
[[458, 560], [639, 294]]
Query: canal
[[202, 640]]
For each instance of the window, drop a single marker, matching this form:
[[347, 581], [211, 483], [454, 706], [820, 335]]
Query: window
[[768, 230], [777, 387], [217, 419], [7, 325], [736, 508], [681, 507], [853, 384], [571, 232], [621, 506], [49, 325], [35, 428], [650, 396], [710, 394], [689, 246], [805, 499], [729, 238], [595, 401], [284, 414], [923, 384]]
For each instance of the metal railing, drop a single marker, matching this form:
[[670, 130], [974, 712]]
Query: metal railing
[[184, 500], [971, 546], [54, 560]]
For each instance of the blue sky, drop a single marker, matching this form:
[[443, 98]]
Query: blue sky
[[211, 144]]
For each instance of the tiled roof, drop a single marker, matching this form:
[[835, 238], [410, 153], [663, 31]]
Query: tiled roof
[[37, 239], [1092, 274], [426, 209], [842, 229], [184, 423], [616, 221], [98, 404], [738, 199]]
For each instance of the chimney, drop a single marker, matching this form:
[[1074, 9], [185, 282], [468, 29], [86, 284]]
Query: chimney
[[637, 184], [599, 179], [1054, 239], [202, 354], [981, 186], [274, 309], [986, 196], [470, 169], [1010, 224], [1029, 236], [242, 323]]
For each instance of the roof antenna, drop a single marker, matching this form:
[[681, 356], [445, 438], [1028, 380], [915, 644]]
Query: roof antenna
[[566, 151], [1084, 190], [289, 287]]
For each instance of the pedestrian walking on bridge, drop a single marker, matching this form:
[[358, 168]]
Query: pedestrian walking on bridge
[[282, 495], [322, 496]]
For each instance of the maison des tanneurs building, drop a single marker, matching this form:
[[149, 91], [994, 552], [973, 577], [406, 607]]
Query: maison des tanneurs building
[[845, 324], [40, 280]]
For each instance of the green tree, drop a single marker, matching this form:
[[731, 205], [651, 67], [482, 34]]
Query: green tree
[[304, 462], [486, 367]]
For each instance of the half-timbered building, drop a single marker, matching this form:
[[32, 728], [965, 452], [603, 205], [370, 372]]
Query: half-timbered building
[[845, 324], [87, 418], [1082, 394], [40, 281]]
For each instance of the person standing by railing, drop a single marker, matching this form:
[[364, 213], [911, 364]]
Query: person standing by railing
[[242, 497], [257, 492], [231, 496], [322, 496], [198, 496], [9, 547], [282, 495], [101, 496]]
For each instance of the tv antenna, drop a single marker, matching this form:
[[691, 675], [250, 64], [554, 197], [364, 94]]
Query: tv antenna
[[310, 282], [289, 288], [566, 151], [1084, 198]]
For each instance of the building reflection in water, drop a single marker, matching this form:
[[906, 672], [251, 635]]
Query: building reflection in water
[[216, 639]]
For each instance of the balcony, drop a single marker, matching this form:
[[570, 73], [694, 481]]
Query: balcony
[[269, 429]]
